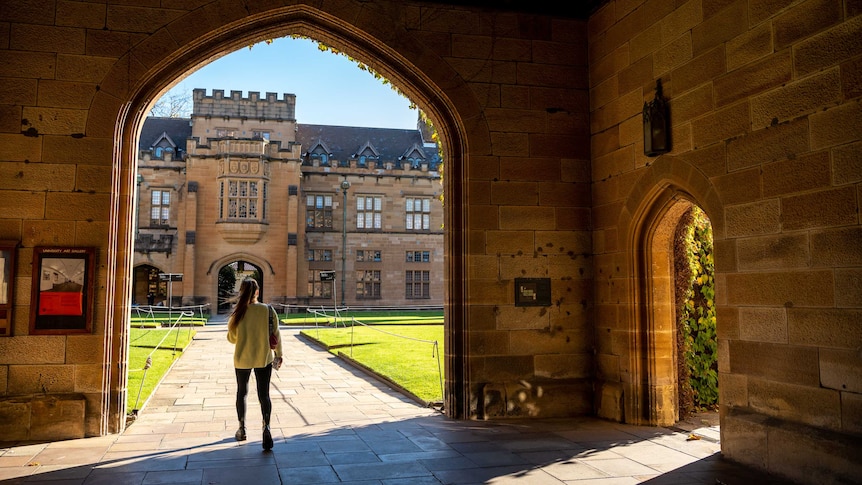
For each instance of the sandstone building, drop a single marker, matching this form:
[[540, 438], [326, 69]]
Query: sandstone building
[[242, 181], [540, 112]]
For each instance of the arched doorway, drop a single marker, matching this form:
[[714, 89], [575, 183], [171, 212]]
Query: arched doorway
[[359, 42], [670, 192], [229, 278], [147, 288]]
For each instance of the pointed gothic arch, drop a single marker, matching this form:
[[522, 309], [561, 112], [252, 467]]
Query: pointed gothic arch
[[208, 33], [665, 192]]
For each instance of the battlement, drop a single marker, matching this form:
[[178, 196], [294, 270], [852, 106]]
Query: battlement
[[237, 106]]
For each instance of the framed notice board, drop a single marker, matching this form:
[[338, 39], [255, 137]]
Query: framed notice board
[[63, 287]]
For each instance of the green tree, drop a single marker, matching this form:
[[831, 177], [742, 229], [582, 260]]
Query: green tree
[[226, 285], [699, 312]]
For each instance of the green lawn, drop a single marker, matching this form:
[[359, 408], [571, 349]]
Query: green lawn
[[401, 353], [143, 343]]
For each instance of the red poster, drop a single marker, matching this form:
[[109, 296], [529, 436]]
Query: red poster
[[61, 303]]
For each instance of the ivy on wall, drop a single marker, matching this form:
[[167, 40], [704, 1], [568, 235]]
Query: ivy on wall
[[698, 311]]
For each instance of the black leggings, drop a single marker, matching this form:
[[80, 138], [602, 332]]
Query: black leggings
[[262, 375]]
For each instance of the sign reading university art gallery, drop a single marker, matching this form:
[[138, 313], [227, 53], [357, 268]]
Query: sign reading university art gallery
[[63, 287]]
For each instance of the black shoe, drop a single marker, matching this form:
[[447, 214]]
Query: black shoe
[[267, 438], [240, 434]]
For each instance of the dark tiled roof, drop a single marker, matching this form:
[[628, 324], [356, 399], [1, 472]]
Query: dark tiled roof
[[345, 141], [178, 129]]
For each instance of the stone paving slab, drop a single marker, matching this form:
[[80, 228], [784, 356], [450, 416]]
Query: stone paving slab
[[334, 424]]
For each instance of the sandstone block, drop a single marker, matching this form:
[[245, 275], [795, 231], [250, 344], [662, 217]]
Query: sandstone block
[[813, 406], [77, 206], [841, 369], [749, 46], [796, 99], [14, 419], [506, 368], [804, 19], [796, 175], [807, 455], [837, 328], [848, 288], [38, 379], [744, 438], [753, 219], [47, 38], [609, 403], [57, 418], [753, 79], [81, 14], [37, 177], [33, 349], [521, 318], [64, 94], [732, 390], [523, 217], [20, 148], [15, 91], [489, 343], [788, 288], [792, 364], [833, 207], [720, 27], [836, 247], [836, 126], [851, 413], [739, 187], [828, 48], [773, 252], [763, 324], [54, 121], [693, 104], [565, 366], [778, 142], [88, 378], [847, 163], [672, 55], [28, 64], [28, 205], [721, 125], [514, 193]]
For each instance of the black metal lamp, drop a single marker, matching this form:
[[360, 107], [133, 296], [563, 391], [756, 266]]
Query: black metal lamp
[[656, 124]]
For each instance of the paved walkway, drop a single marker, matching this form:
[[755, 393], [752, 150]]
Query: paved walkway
[[334, 424]]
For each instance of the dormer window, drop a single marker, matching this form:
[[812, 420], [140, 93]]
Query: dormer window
[[158, 153]]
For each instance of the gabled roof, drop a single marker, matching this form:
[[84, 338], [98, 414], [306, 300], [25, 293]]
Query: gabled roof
[[368, 150], [415, 152], [154, 128], [344, 141]]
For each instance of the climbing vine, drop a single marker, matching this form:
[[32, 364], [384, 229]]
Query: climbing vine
[[698, 313]]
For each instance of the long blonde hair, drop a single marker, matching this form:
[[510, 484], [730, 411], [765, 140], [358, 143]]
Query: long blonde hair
[[247, 295]]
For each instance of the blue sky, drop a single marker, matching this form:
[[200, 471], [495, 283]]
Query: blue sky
[[329, 88]]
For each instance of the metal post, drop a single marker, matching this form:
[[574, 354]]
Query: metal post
[[344, 186]]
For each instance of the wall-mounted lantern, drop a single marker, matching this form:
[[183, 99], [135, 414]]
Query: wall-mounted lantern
[[656, 124]]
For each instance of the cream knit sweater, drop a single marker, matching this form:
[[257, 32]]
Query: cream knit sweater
[[251, 337]]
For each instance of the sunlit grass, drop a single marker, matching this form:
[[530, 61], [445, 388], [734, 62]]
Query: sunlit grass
[[143, 343], [404, 354]]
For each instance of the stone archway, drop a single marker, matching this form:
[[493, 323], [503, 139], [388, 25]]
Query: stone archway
[[187, 43], [668, 189]]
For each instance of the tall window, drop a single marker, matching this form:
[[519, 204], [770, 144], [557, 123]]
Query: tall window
[[417, 285], [368, 284], [372, 255], [318, 211], [242, 199], [418, 214], [418, 256], [319, 254], [160, 210], [369, 212], [318, 288]]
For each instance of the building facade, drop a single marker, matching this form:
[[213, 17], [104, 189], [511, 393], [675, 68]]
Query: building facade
[[240, 183], [540, 114]]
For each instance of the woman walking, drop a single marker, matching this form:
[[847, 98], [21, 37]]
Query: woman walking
[[249, 329]]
